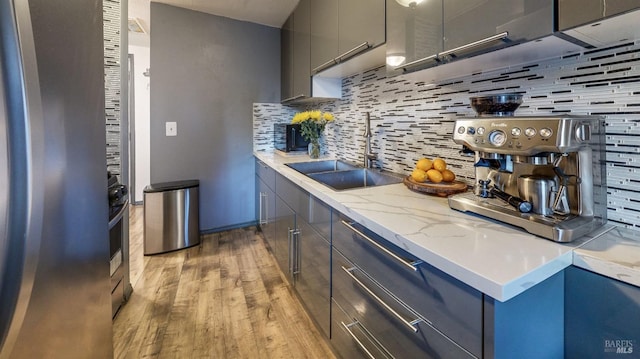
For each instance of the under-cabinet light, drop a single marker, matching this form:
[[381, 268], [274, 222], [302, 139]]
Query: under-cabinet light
[[409, 3], [395, 60]]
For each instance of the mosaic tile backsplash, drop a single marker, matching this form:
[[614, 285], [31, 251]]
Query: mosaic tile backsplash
[[411, 120]]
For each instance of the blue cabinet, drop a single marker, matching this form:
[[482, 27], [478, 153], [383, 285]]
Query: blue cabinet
[[412, 306], [285, 234], [602, 316], [313, 275], [392, 326], [528, 326], [303, 249], [266, 202]]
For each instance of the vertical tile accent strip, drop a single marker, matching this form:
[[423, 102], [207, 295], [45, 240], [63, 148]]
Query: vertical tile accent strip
[[111, 10]]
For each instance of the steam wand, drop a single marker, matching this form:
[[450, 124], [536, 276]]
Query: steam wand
[[560, 203]]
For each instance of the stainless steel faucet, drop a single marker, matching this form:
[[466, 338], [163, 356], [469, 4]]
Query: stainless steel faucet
[[369, 157]]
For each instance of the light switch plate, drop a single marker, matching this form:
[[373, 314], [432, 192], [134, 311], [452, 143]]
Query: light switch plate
[[171, 128]]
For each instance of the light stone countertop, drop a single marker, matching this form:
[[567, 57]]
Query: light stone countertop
[[615, 254], [494, 258]]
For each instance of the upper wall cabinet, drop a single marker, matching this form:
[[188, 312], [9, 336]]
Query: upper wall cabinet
[[342, 29], [414, 34], [599, 22], [472, 26], [574, 13], [437, 32], [324, 32], [286, 60], [295, 54]]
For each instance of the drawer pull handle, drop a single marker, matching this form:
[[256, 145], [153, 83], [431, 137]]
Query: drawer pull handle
[[347, 327], [413, 265], [409, 324]]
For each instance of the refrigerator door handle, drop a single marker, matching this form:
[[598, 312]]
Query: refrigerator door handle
[[23, 126]]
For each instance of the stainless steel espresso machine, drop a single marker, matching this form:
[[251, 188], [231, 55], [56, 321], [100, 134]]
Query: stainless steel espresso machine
[[543, 174]]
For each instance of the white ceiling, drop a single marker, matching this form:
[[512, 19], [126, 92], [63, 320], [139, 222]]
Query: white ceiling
[[266, 12]]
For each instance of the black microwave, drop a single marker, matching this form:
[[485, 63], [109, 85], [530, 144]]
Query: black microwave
[[288, 137]]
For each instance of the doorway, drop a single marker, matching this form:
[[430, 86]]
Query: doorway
[[131, 134]]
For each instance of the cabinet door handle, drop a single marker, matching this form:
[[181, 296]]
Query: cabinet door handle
[[409, 324], [297, 253], [353, 336], [290, 247], [413, 265], [292, 98], [325, 65], [363, 46], [417, 62], [263, 212], [500, 36]]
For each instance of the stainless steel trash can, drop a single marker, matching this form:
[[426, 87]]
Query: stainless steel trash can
[[171, 216]]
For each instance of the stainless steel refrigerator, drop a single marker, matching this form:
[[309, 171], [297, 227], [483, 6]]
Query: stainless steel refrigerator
[[54, 238]]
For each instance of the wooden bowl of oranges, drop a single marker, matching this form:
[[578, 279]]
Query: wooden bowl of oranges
[[433, 177]]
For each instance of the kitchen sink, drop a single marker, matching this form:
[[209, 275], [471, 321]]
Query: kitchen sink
[[321, 166], [357, 178], [340, 175]]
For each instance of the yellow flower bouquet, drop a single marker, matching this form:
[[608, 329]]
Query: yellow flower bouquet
[[312, 125]]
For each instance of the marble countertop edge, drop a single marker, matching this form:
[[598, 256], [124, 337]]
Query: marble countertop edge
[[615, 254], [459, 244]]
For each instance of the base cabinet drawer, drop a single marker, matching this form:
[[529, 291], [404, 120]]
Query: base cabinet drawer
[[398, 329], [266, 173], [350, 339], [453, 307]]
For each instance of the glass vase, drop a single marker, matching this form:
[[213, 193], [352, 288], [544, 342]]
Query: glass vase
[[314, 149]]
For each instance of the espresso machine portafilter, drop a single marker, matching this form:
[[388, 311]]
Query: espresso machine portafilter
[[555, 166]]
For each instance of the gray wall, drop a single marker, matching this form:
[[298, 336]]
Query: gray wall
[[206, 72]]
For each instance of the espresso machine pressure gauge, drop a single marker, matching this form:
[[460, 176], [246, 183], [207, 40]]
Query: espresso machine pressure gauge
[[497, 138]]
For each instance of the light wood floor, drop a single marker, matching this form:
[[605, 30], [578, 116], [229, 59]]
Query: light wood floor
[[222, 299]]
